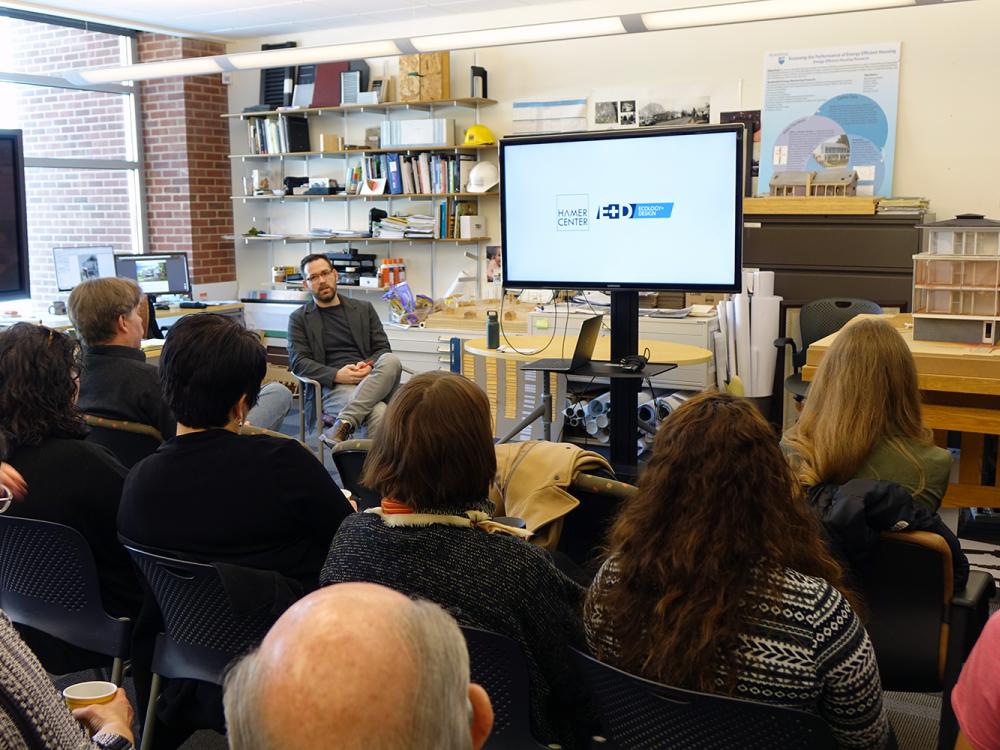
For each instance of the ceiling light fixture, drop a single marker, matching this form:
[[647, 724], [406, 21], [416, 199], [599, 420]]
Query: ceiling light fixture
[[759, 10], [542, 32], [707, 15]]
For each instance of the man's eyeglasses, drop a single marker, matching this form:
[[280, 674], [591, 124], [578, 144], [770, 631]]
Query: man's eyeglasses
[[321, 275]]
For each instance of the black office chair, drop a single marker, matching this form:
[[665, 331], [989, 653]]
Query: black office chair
[[817, 320], [203, 631], [498, 664], [638, 714], [48, 582], [129, 441], [585, 527], [349, 458], [922, 630]]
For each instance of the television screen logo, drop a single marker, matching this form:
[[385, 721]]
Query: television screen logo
[[573, 213], [615, 211]]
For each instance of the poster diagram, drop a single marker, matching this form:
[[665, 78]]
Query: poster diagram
[[829, 109]]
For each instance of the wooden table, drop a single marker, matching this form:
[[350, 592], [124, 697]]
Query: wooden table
[[960, 390]]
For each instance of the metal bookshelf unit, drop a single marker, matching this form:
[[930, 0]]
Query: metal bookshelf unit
[[284, 220]]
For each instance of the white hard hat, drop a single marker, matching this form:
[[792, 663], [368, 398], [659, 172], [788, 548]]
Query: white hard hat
[[483, 176]]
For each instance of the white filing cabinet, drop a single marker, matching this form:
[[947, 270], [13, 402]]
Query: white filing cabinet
[[419, 349], [692, 331]]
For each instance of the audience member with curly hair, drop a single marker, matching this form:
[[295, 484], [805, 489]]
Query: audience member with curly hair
[[70, 481], [718, 579]]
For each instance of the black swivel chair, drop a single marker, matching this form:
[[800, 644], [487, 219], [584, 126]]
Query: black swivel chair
[[129, 441], [817, 320], [204, 633], [48, 582], [498, 664], [638, 714], [349, 458], [922, 630]]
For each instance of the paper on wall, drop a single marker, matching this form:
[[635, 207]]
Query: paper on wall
[[555, 116]]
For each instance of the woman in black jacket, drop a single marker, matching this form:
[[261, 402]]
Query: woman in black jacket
[[70, 481]]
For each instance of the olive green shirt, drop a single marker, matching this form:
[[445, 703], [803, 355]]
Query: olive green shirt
[[887, 462]]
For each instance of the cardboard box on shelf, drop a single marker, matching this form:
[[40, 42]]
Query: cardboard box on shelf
[[706, 298]]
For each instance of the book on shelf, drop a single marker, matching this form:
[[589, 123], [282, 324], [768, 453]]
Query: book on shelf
[[428, 133], [326, 86], [425, 172], [460, 207]]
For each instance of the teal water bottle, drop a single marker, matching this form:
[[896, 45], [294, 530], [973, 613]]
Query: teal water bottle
[[492, 330]]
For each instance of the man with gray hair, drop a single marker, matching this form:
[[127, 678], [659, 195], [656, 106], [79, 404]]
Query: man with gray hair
[[357, 666], [116, 382]]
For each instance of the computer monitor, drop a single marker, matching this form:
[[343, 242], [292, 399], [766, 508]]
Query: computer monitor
[[162, 273], [76, 264], [644, 209]]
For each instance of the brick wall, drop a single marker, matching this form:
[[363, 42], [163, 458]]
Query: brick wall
[[186, 146], [68, 207]]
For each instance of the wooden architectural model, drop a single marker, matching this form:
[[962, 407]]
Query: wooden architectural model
[[839, 182], [956, 281]]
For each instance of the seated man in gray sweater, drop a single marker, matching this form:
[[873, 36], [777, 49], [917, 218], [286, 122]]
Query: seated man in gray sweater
[[340, 343]]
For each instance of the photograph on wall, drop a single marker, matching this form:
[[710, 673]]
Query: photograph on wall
[[751, 119], [832, 109], [626, 113], [494, 264], [606, 113], [670, 109]]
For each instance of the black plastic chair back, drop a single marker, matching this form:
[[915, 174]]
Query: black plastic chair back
[[129, 447], [821, 317], [585, 528], [498, 664], [349, 458], [202, 632], [48, 581], [638, 714], [902, 585]]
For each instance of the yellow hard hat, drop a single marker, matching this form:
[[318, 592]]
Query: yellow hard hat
[[479, 135]]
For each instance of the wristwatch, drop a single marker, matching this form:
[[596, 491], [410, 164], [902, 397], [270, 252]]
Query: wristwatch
[[109, 741]]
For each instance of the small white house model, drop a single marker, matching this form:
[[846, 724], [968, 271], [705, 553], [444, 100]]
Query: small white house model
[[956, 281]]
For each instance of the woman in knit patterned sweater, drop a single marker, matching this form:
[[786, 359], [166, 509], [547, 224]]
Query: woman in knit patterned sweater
[[431, 538], [718, 580]]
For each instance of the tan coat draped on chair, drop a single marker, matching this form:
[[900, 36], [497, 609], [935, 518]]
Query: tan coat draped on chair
[[532, 483]]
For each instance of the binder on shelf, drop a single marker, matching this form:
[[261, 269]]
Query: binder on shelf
[[326, 86], [406, 170], [305, 79], [296, 128], [395, 176]]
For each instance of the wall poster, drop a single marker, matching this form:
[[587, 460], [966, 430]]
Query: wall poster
[[828, 108]]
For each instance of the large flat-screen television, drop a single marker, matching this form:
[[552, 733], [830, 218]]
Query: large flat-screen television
[[159, 273], [646, 209], [14, 280]]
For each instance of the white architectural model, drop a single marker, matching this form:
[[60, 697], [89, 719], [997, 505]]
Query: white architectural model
[[956, 281]]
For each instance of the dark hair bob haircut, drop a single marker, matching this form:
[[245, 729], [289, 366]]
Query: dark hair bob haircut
[[38, 386], [208, 362], [435, 445]]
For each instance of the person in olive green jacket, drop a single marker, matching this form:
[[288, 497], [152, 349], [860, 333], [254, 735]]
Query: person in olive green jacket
[[862, 419]]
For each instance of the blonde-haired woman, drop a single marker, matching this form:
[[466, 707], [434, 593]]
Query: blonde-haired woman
[[862, 419]]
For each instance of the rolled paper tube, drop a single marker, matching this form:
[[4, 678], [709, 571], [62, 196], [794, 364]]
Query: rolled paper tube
[[591, 426], [602, 420]]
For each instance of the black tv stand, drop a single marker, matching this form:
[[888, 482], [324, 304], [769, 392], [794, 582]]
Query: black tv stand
[[624, 391]]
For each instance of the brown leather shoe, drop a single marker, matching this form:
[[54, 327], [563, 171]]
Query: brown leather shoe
[[342, 430]]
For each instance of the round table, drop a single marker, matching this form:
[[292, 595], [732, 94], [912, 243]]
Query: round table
[[537, 347], [529, 348]]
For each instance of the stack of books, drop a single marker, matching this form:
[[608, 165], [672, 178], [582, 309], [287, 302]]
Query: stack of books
[[902, 206]]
